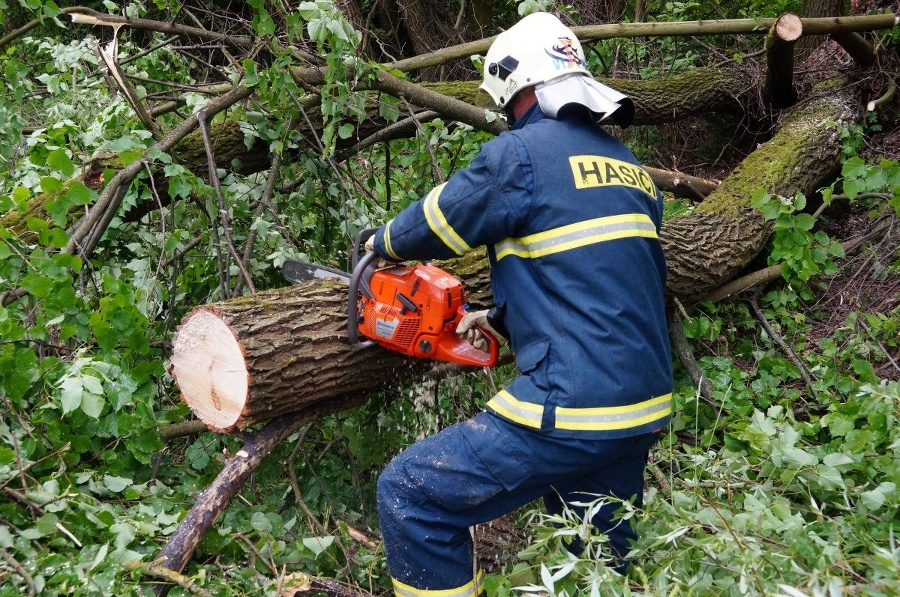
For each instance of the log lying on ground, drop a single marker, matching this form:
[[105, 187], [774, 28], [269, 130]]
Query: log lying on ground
[[250, 359], [255, 358], [712, 244]]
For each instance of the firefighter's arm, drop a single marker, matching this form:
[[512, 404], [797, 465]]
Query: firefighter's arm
[[479, 205]]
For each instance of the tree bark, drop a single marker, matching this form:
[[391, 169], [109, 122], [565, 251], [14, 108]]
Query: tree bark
[[723, 234], [780, 60], [818, 9]]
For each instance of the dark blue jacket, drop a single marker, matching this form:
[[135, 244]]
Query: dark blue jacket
[[571, 224]]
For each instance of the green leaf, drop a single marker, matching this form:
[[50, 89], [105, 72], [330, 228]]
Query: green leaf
[[251, 77], [70, 394], [50, 184], [116, 484], [79, 193], [21, 195], [804, 221], [92, 404], [875, 499], [36, 284], [59, 161], [259, 522], [345, 131], [318, 544]]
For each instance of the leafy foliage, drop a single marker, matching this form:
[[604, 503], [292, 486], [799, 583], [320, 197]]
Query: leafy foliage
[[775, 489]]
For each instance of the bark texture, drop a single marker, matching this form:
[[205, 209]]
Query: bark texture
[[720, 237]]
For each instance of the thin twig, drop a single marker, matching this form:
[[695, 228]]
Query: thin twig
[[20, 570], [255, 551], [776, 337], [686, 355], [203, 122], [170, 576]]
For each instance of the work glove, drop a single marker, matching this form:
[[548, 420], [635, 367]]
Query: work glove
[[382, 262], [469, 325]]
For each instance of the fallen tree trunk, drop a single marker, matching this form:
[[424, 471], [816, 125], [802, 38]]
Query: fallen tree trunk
[[249, 359]]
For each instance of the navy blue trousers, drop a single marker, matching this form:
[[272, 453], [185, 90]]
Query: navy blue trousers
[[482, 469]]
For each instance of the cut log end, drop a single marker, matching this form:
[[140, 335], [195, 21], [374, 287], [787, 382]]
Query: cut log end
[[789, 27], [208, 365]]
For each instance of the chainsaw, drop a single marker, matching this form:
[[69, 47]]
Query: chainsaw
[[413, 310]]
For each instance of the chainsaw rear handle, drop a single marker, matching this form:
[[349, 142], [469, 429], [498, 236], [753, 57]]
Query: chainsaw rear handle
[[464, 353]]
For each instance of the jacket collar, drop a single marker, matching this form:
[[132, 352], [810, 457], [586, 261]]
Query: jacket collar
[[533, 114]]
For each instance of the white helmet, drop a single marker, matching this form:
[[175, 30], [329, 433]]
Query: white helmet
[[537, 49]]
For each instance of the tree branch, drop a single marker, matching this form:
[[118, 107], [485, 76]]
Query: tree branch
[[178, 550], [81, 15], [86, 233]]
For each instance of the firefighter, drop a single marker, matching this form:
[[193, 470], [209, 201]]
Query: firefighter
[[571, 222]]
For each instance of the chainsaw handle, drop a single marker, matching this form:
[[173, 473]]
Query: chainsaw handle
[[460, 351], [359, 282], [359, 243]]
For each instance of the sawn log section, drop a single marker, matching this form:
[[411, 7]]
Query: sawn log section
[[255, 358]]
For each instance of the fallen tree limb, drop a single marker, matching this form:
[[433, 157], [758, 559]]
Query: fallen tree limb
[[589, 33], [171, 577], [181, 545]]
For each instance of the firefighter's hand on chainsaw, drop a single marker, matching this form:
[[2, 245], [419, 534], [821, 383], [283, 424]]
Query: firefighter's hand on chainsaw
[[473, 326], [370, 247]]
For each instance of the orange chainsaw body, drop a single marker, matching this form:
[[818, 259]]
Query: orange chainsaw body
[[415, 311]]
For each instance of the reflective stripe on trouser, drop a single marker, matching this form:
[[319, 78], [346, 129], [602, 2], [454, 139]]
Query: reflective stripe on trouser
[[470, 589], [482, 469]]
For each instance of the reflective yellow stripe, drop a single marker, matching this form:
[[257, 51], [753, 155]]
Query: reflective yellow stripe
[[605, 418], [523, 413], [576, 235], [387, 241], [470, 589], [597, 171], [439, 225], [614, 417]]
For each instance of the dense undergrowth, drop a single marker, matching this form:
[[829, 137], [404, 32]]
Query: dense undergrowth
[[783, 480]]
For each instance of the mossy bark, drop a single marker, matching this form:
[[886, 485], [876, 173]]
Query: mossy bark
[[723, 234], [661, 99]]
